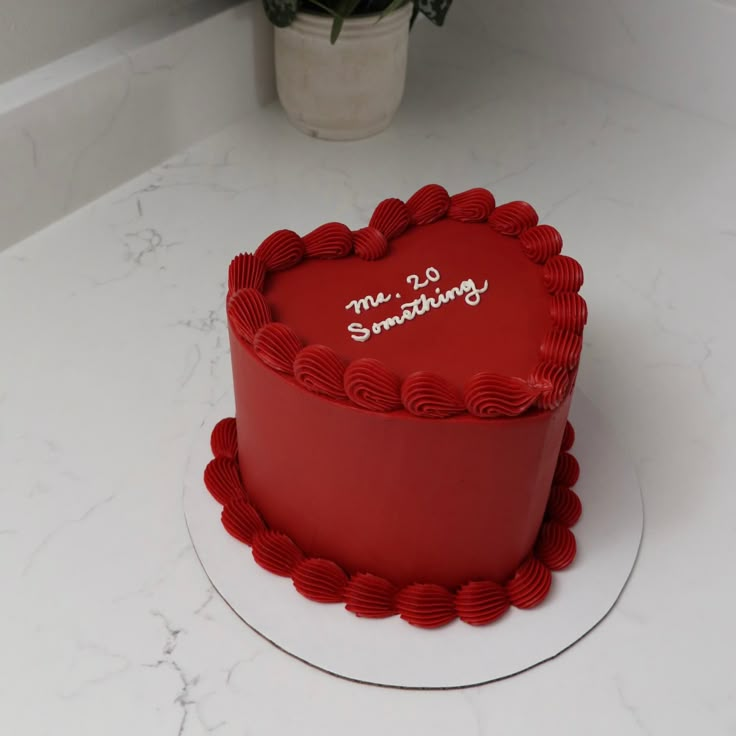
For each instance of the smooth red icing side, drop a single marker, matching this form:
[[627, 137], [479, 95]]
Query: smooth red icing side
[[465, 495], [427, 605]]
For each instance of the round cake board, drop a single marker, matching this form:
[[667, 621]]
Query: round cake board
[[389, 651]]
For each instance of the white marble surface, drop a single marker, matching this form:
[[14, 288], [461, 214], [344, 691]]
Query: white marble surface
[[113, 350]]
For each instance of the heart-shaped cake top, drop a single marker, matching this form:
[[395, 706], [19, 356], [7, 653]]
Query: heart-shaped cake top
[[442, 306]]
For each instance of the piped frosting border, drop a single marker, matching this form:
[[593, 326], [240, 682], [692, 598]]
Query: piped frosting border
[[422, 604], [367, 383]]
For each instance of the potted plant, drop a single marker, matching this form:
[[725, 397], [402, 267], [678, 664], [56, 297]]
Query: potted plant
[[341, 64]]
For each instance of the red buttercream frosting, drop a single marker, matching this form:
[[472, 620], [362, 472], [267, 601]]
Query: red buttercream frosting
[[565, 310], [562, 273], [562, 348], [332, 240], [246, 271], [564, 506], [224, 440], [240, 519], [555, 547], [319, 369], [282, 250], [567, 470], [429, 395], [277, 346], [569, 311], [370, 244], [392, 312], [530, 584], [428, 205], [370, 596], [222, 478], [391, 218], [475, 205], [275, 552], [370, 385], [481, 602], [568, 438], [513, 218], [540, 243], [552, 382], [320, 580], [426, 605], [491, 395], [401, 398], [247, 312]]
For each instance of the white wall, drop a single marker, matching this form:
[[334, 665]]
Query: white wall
[[35, 32], [682, 52], [88, 122]]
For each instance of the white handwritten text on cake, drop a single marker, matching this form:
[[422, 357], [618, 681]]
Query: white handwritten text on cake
[[422, 305]]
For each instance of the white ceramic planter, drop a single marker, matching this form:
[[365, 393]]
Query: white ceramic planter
[[348, 90]]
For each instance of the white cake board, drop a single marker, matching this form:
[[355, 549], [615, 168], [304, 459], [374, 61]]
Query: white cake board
[[391, 652]]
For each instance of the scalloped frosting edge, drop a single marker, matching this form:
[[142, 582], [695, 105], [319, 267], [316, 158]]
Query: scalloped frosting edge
[[425, 605], [422, 394]]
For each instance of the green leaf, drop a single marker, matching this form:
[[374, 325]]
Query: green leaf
[[435, 10], [336, 28], [344, 10], [414, 14], [281, 12]]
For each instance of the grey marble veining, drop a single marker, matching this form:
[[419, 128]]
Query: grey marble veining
[[76, 128]]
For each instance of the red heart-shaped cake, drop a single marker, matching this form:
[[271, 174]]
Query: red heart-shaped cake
[[401, 396]]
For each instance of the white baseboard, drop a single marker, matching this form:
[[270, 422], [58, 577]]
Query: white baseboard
[[680, 52], [74, 129]]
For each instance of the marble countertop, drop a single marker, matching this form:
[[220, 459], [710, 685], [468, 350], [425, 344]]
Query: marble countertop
[[114, 350]]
